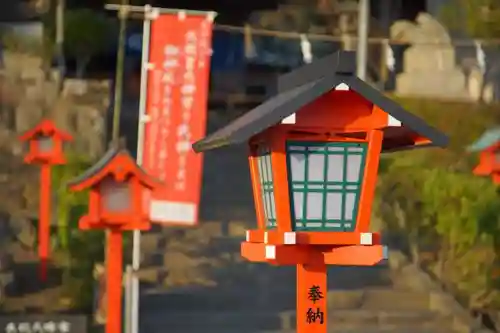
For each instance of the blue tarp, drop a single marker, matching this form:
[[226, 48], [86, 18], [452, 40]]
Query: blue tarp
[[229, 50]]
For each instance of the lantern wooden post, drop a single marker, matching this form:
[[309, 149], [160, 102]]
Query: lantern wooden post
[[46, 149], [118, 191], [314, 151], [114, 262], [44, 218]]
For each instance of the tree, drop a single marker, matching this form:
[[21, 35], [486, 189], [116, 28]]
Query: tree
[[87, 33]]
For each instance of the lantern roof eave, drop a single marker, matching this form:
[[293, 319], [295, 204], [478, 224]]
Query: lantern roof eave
[[487, 140], [94, 174], [45, 127], [302, 87]]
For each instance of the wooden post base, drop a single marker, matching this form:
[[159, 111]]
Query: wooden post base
[[312, 296], [114, 281]]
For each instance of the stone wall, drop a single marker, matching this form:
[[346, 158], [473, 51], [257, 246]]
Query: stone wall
[[27, 96]]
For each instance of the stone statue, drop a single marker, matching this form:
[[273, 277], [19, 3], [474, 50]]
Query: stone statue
[[426, 29], [429, 63]]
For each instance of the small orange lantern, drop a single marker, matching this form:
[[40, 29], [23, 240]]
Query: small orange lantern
[[46, 149], [488, 147], [314, 155], [45, 144], [119, 192]]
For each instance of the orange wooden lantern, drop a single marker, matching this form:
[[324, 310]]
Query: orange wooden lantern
[[45, 144], [46, 149], [314, 155], [488, 147], [118, 199]]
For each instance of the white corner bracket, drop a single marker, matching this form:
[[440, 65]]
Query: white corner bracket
[[181, 15], [270, 252], [247, 235], [366, 238], [145, 118], [290, 120], [342, 87], [211, 16], [290, 238], [393, 122], [152, 13]]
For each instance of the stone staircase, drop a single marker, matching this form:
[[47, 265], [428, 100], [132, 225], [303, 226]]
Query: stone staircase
[[237, 296], [371, 315]]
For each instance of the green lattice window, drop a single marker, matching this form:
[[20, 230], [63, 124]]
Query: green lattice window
[[267, 187], [325, 181]]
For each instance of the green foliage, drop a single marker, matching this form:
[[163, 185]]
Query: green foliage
[[430, 201], [79, 250], [86, 249], [66, 201], [477, 18], [458, 214]]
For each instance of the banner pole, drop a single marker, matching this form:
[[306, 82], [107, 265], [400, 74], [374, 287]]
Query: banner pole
[[127, 287], [136, 243]]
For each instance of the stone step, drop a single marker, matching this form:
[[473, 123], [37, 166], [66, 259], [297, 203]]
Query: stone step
[[152, 242], [355, 318], [368, 329], [331, 329], [252, 275], [151, 275], [390, 299], [255, 321], [281, 297]]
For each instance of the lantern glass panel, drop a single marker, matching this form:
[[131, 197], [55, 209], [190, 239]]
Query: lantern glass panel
[[45, 143], [325, 181], [115, 196], [267, 186]]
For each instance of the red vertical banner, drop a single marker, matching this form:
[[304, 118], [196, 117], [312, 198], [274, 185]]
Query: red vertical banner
[[176, 109]]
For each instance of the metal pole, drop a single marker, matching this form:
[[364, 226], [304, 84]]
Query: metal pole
[[128, 299], [60, 43], [136, 244], [117, 106], [363, 27], [120, 60]]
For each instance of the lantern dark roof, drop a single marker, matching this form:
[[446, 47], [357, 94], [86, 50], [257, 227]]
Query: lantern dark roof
[[101, 164], [304, 85], [340, 62], [488, 139], [43, 128]]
